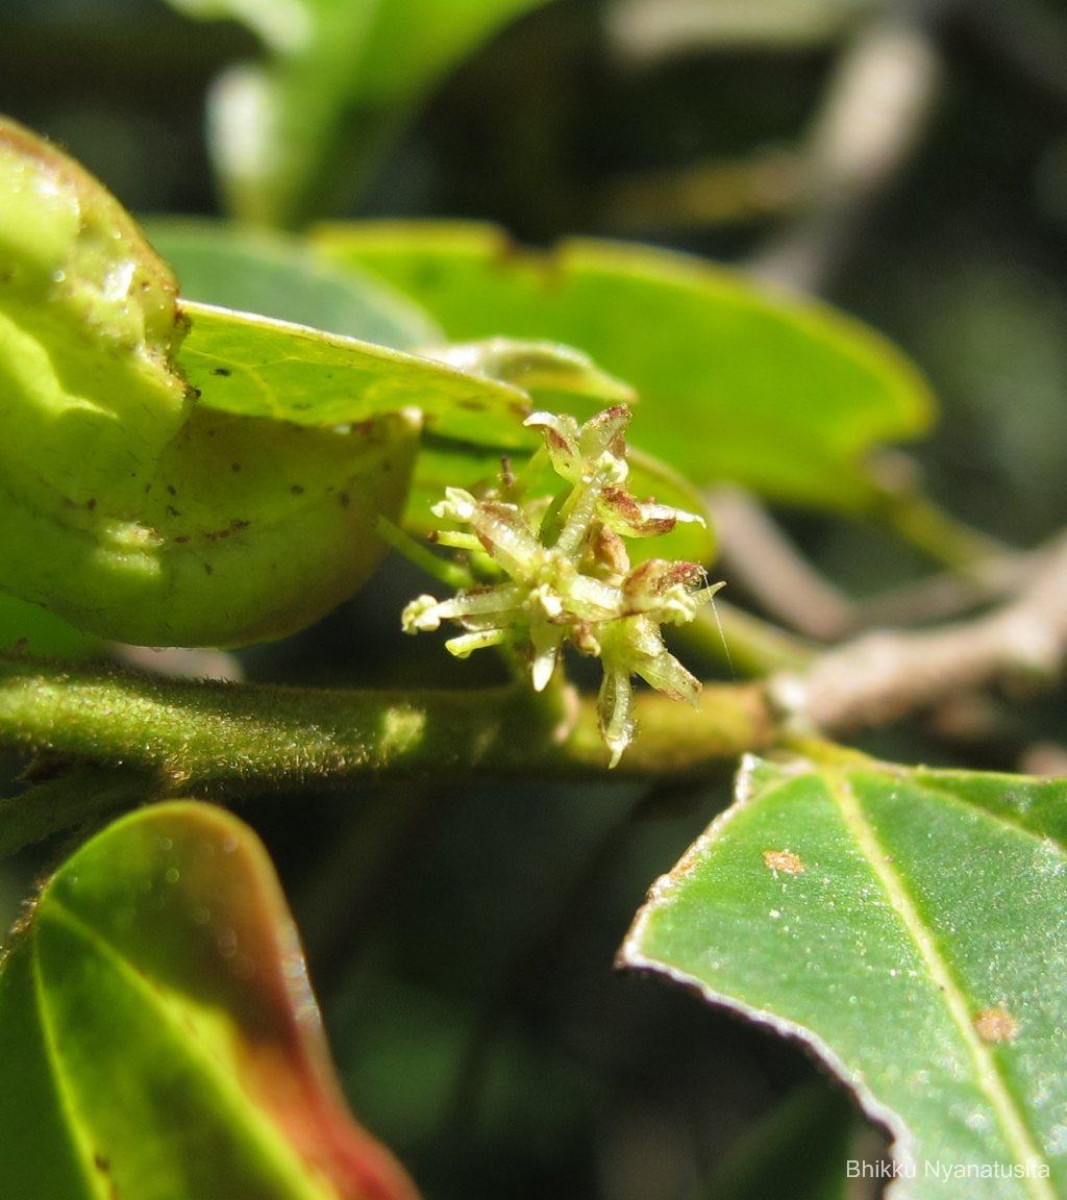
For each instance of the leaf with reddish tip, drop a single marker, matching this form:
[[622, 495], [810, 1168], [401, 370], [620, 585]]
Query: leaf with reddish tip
[[159, 1036]]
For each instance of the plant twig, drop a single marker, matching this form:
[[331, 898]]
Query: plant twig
[[152, 737], [884, 675], [759, 556], [872, 118], [949, 594], [226, 739]]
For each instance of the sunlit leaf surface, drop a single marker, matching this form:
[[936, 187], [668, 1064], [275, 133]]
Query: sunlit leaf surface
[[784, 397]]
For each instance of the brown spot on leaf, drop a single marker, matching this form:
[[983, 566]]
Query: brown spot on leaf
[[224, 371], [784, 861], [996, 1025], [297, 489]]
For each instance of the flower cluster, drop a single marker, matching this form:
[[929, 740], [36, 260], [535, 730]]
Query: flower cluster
[[564, 576]]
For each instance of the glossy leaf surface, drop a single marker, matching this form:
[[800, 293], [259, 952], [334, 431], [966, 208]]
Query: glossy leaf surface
[[783, 397], [158, 1034], [277, 276], [127, 507], [910, 927]]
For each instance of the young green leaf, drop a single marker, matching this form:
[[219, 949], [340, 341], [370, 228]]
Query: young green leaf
[[158, 1033], [254, 366], [907, 925], [783, 396]]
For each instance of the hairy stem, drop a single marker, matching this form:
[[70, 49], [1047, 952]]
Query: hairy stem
[[226, 739]]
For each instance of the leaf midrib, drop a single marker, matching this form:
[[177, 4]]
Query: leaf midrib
[[263, 1134], [988, 1075]]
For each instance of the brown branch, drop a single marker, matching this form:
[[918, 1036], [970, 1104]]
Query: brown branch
[[758, 556], [870, 121], [881, 676], [949, 594]]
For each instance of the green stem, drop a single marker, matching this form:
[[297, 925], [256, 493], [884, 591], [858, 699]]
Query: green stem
[[451, 574], [919, 521], [744, 643], [226, 739]]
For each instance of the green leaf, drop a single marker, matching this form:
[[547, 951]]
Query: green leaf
[[127, 508], [907, 925], [782, 396], [255, 366], [257, 271], [249, 365], [158, 1033], [30, 629], [338, 79]]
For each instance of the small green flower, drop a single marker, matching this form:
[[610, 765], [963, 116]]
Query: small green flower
[[566, 576]]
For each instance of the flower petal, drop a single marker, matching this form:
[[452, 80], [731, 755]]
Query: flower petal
[[503, 531], [666, 674], [561, 440], [604, 433], [465, 645], [615, 711], [546, 641]]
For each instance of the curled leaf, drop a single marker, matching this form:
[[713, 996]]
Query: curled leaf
[[127, 506]]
